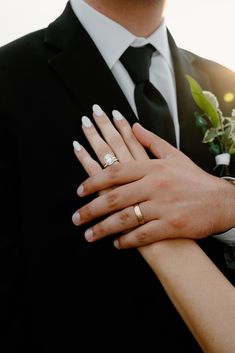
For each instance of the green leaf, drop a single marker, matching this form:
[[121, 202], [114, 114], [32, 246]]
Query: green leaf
[[200, 121], [227, 132], [203, 103], [210, 135], [232, 151], [214, 149]]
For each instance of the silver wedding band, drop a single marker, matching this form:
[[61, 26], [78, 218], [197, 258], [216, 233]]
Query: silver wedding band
[[139, 215]]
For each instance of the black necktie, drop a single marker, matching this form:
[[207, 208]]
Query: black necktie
[[153, 111]]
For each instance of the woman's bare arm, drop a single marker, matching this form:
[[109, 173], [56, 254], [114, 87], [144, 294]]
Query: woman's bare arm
[[201, 294]]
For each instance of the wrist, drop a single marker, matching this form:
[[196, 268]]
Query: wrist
[[162, 250], [227, 206]]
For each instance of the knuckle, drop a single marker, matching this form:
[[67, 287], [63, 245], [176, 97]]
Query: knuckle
[[163, 183], [86, 213], [99, 229], [114, 139], [159, 177], [158, 166], [124, 217], [158, 183], [142, 237], [112, 199], [113, 171], [178, 222]]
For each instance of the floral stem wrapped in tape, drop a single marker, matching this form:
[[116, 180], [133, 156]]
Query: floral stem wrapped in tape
[[218, 130]]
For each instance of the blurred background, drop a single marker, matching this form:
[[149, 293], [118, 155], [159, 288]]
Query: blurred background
[[206, 27]]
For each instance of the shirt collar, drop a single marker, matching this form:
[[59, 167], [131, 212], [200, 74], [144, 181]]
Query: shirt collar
[[112, 39]]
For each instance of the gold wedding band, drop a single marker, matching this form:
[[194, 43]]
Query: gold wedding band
[[138, 214], [109, 159]]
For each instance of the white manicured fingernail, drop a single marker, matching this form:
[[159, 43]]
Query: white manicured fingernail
[[86, 121], [80, 190], [117, 115], [89, 234], [76, 218], [97, 110], [116, 244], [77, 146]]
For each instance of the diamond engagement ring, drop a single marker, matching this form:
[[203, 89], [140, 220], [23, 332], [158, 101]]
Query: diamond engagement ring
[[109, 159]]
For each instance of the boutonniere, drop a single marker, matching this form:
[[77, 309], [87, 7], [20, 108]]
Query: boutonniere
[[218, 130]]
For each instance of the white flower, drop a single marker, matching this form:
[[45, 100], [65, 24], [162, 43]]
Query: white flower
[[212, 99], [233, 113]]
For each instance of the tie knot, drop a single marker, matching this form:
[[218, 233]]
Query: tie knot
[[137, 62]]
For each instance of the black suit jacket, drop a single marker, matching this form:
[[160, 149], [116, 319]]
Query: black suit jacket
[[59, 292]]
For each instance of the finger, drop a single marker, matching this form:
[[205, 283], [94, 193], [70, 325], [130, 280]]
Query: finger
[[134, 146], [112, 201], [159, 147], [111, 135], [148, 233], [89, 164], [114, 224], [116, 174], [119, 222], [100, 147]]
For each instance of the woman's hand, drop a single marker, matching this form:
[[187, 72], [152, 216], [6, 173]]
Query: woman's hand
[[120, 142], [176, 198]]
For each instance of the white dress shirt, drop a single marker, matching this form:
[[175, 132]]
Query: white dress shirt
[[112, 40]]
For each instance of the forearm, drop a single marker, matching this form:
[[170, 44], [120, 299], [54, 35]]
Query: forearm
[[201, 294]]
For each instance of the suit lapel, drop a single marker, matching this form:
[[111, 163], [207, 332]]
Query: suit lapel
[[82, 68], [190, 136]]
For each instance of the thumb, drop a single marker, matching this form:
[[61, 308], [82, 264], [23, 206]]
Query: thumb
[[159, 147]]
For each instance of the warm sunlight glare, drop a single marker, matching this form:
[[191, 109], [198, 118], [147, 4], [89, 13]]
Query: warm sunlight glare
[[229, 97], [205, 27]]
